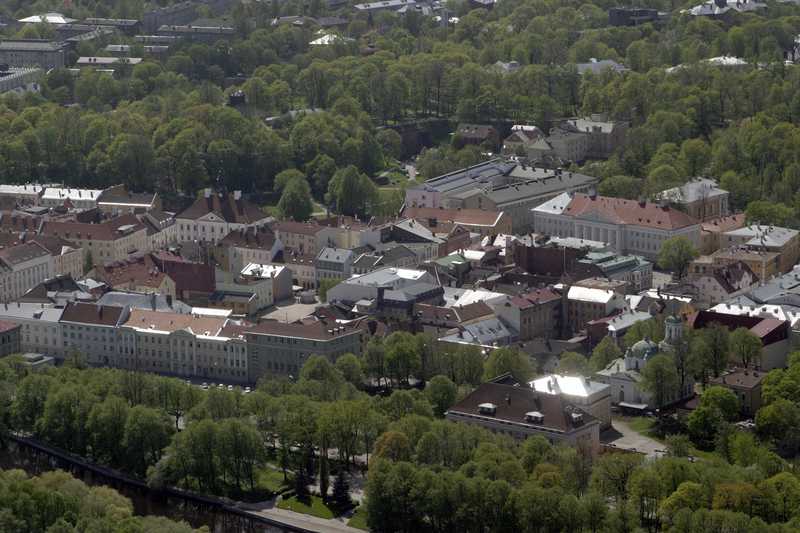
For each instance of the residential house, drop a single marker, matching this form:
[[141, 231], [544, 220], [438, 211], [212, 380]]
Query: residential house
[[615, 326], [33, 53], [535, 313], [214, 215], [764, 264], [634, 270], [180, 13], [162, 231], [194, 282], [521, 138], [139, 273], [90, 330], [477, 134], [773, 332], [414, 236], [398, 256], [204, 347], [629, 226], [279, 275], [299, 236], [486, 333], [40, 330], [591, 299], [565, 142], [21, 267], [244, 246], [437, 320], [700, 198], [763, 238], [29, 193], [365, 286], [480, 221], [711, 231], [605, 136], [723, 282], [521, 412], [67, 258], [77, 198], [634, 16], [10, 338], [109, 240], [592, 397], [202, 34], [333, 263], [745, 383], [281, 349], [302, 267], [118, 200]]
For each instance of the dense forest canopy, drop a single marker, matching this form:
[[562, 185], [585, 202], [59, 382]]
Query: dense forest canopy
[[166, 124]]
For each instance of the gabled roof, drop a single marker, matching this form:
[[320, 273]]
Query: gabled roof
[[535, 297], [108, 230], [226, 207], [169, 322], [632, 212], [261, 238], [90, 313]]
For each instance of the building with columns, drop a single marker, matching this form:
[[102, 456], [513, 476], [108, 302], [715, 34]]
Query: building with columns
[[628, 226]]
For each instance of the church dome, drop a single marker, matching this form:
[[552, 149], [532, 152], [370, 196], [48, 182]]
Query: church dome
[[643, 349]]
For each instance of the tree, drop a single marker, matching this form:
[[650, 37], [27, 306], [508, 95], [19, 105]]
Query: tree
[[712, 348], [295, 202], [88, 262], [351, 192], [621, 186], [694, 156], [678, 445], [660, 378], [393, 445], [441, 393], [391, 143], [604, 353], [676, 254], [147, 433], [326, 284], [301, 483], [341, 492], [402, 355], [350, 367], [768, 213], [283, 178], [507, 360], [572, 364], [106, 428], [688, 495], [611, 474], [703, 424], [722, 399], [745, 347]]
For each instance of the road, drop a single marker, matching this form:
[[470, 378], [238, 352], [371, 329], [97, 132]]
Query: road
[[335, 525], [627, 438]]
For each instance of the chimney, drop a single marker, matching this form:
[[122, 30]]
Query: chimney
[[207, 193], [237, 195], [153, 301]]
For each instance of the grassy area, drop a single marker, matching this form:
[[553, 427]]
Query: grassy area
[[359, 519], [271, 480], [642, 425], [316, 507]]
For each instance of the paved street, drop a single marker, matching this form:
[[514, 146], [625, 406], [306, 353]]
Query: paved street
[[337, 525], [626, 438]]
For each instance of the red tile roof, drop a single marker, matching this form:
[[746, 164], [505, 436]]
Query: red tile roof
[[226, 207], [303, 228], [622, 211], [470, 217], [535, 297], [142, 271], [104, 231], [7, 326], [316, 330], [256, 238], [722, 224]]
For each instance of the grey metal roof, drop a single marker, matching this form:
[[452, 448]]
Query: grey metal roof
[[142, 301]]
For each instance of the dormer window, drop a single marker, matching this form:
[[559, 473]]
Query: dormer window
[[487, 408], [534, 417]]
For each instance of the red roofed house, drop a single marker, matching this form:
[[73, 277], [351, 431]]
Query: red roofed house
[[774, 334], [628, 226], [10, 338], [194, 282], [111, 240], [534, 314], [138, 274], [214, 215], [475, 220]]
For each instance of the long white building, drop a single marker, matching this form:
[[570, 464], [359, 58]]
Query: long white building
[[628, 226]]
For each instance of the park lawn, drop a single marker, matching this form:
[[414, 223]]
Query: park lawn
[[642, 425], [359, 519], [315, 508], [271, 480]]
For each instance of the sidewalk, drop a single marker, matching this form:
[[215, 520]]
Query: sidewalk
[[338, 525]]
